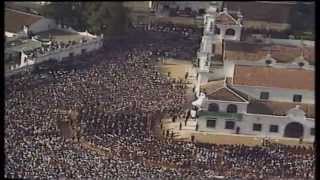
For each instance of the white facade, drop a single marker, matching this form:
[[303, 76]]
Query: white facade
[[243, 122], [59, 54], [277, 94], [210, 39], [246, 122]]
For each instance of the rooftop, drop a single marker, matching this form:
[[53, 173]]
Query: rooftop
[[59, 35], [15, 20], [224, 94], [261, 11], [254, 51], [212, 86], [278, 108], [274, 77], [225, 19]]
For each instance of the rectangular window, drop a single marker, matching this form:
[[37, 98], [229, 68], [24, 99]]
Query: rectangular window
[[229, 125], [297, 98], [211, 123], [264, 95], [257, 127], [312, 131], [274, 128]]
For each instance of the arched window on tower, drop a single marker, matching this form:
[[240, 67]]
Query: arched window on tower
[[230, 32], [216, 30], [232, 108], [213, 107]]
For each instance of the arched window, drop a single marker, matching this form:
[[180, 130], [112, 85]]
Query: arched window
[[268, 61], [230, 32], [232, 108], [213, 107], [216, 30]]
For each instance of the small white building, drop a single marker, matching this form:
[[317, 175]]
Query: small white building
[[21, 24], [260, 101]]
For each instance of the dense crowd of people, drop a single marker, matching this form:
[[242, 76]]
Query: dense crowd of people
[[119, 95], [50, 46]]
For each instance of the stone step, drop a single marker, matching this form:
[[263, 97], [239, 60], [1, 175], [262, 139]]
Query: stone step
[[189, 128], [191, 123]]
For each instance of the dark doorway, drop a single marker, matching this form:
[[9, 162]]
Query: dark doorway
[[293, 130]]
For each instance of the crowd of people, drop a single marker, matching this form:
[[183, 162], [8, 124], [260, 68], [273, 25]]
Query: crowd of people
[[119, 96], [50, 46]]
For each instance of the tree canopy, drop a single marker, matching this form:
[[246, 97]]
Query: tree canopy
[[109, 18]]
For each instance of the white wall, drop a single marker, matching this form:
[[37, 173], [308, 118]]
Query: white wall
[[246, 125], [277, 94], [267, 120], [241, 106], [223, 29], [59, 54], [220, 125], [216, 74]]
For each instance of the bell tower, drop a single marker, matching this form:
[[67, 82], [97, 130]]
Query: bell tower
[[205, 53]]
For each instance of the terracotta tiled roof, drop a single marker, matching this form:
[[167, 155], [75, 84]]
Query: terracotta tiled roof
[[243, 95], [224, 94], [278, 108], [212, 86], [251, 51], [225, 19], [273, 77], [261, 11], [15, 20]]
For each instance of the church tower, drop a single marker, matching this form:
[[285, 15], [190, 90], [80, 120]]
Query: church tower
[[205, 54]]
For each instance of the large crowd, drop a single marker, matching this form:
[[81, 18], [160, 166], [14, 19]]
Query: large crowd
[[119, 96]]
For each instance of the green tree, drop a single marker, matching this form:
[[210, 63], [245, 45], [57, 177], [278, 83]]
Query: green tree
[[109, 18]]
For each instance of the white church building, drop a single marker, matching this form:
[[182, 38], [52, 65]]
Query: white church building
[[260, 101], [266, 90]]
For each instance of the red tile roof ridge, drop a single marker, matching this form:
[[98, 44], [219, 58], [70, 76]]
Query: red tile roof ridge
[[22, 12]]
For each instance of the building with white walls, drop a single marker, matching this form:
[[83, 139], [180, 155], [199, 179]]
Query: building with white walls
[[31, 39], [222, 47], [21, 24], [260, 101]]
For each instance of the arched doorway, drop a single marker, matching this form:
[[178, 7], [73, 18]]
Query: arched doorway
[[293, 130]]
